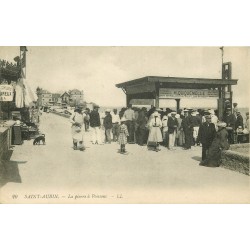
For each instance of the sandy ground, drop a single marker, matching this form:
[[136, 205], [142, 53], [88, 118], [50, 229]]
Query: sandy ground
[[55, 173]]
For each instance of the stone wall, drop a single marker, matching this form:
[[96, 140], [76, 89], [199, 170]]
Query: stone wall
[[236, 160]]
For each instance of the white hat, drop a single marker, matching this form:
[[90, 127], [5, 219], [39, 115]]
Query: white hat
[[156, 113], [177, 116], [211, 111], [221, 124], [158, 109], [108, 110], [123, 119], [173, 113]]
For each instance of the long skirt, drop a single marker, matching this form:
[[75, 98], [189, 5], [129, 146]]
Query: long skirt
[[180, 138], [155, 135], [77, 136], [214, 155], [141, 135]]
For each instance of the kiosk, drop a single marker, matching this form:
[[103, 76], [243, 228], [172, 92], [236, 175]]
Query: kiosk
[[156, 88]]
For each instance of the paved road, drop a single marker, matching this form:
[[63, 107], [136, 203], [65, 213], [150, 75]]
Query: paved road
[[55, 173]]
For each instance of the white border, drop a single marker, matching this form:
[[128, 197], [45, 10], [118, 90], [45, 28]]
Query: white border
[[193, 23]]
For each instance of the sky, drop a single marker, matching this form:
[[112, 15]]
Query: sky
[[96, 70]]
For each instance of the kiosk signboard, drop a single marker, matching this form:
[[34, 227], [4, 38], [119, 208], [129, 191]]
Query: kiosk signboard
[[187, 93]]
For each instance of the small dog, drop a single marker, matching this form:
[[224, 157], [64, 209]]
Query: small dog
[[38, 139]]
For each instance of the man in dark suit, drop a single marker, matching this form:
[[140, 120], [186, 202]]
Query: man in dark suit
[[230, 120], [239, 120], [95, 124], [188, 129], [206, 135]]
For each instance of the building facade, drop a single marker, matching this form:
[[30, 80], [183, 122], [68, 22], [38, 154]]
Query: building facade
[[44, 98], [76, 97], [56, 98], [65, 98], [72, 97]]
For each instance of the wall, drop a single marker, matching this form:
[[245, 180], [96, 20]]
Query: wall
[[5, 142], [237, 158]]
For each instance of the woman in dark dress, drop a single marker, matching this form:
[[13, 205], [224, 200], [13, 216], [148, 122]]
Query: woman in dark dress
[[142, 127], [219, 144]]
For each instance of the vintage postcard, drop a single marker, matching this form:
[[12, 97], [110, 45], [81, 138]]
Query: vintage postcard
[[124, 125]]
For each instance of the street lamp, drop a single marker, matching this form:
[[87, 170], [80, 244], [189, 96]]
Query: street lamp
[[222, 54]]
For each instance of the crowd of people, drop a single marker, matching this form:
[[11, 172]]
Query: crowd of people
[[168, 128]]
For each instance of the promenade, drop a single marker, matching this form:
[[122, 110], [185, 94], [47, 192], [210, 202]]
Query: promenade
[[55, 173]]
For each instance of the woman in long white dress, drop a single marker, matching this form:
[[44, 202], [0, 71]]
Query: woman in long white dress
[[77, 129], [155, 135]]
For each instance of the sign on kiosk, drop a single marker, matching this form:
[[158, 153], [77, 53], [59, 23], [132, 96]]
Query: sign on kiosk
[[6, 93], [188, 93]]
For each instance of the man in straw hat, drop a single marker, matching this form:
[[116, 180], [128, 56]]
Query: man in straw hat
[[95, 124], [206, 135], [107, 123], [196, 122], [115, 123], [187, 128], [129, 115]]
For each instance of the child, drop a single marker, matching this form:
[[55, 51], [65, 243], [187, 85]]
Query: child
[[123, 134]]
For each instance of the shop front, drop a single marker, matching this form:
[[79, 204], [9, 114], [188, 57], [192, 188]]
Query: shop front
[[15, 113]]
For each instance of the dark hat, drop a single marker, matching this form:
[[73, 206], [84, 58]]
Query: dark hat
[[96, 106]]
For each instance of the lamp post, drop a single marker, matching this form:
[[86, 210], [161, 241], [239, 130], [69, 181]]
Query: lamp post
[[222, 54], [221, 101]]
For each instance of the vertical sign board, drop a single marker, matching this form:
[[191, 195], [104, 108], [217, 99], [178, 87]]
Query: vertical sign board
[[6, 93]]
